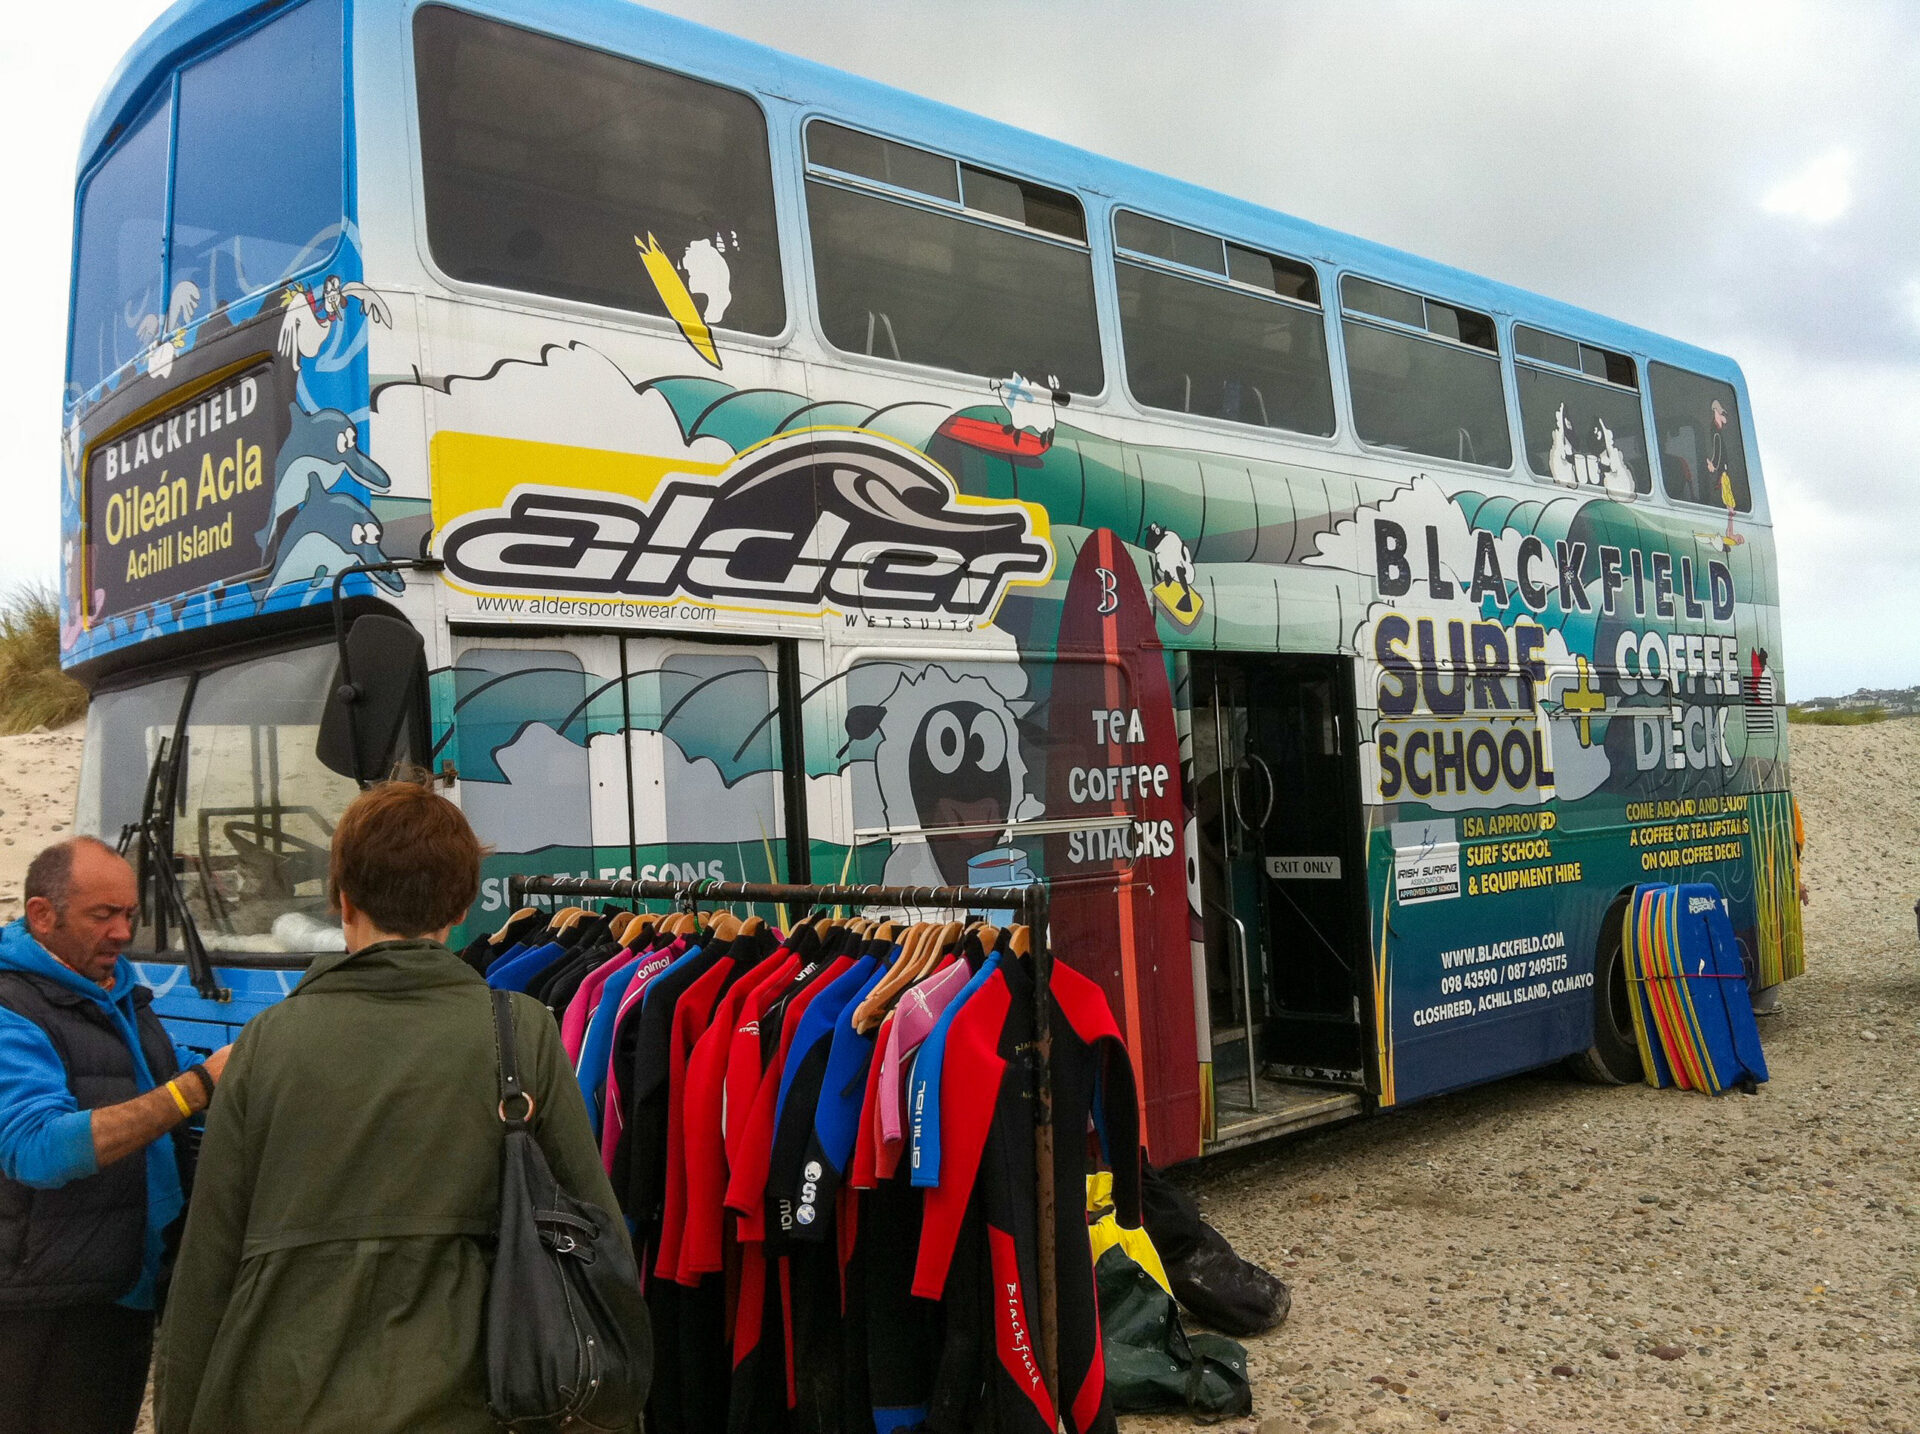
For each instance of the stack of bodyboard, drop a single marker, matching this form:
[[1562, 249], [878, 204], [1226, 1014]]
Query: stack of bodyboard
[[1692, 1015]]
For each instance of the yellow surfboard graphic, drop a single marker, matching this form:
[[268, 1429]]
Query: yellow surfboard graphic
[[673, 293], [1181, 602]]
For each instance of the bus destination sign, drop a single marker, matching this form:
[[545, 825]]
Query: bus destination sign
[[186, 499]]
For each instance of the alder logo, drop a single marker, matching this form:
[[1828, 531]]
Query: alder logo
[[813, 523]]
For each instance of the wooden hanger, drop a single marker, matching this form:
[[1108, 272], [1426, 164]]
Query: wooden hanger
[[919, 952], [726, 926], [501, 935], [1021, 941], [948, 940], [867, 1014], [752, 926], [568, 919]]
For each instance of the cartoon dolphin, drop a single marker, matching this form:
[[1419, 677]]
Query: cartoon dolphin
[[326, 445], [330, 531]]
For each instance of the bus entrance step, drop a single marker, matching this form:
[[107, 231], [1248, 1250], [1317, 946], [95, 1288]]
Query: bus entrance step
[[1284, 1107]]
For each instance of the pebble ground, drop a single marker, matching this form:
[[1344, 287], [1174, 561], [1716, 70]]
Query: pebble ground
[[1540, 1255]]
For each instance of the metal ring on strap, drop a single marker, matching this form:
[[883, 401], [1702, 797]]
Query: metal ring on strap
[[523, 1095]]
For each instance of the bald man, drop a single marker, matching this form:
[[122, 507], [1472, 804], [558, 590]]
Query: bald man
[[89, 1191]]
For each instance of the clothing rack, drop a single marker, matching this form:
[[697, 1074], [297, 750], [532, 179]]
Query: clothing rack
[[1030, 901]]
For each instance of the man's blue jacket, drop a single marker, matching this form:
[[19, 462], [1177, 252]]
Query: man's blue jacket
[[46, 1140]]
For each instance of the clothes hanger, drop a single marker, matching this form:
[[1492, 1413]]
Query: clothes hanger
[[1021, 941], [752, 926], [927, 954], [903, 973], [945, 939], [867, 1015], [522, 914], [726, 926]]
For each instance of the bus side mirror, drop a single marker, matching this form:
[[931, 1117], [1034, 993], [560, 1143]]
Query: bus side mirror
[[376, 691]]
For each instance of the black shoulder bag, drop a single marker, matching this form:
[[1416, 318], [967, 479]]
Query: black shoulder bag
[[568, 1342]]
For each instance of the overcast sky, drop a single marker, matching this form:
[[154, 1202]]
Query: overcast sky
[[1742, 174]]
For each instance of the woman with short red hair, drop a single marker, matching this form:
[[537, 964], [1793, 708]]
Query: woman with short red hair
[[335, 1261]]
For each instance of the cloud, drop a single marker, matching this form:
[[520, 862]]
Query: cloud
[[571, 394], [538, 805], [1819, 193], [1840, 440], [1613, 156], [694, 797]]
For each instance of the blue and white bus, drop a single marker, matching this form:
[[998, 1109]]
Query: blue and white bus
[[715, 465]]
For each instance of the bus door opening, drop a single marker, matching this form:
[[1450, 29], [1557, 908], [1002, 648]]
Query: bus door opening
[[1282, 878]]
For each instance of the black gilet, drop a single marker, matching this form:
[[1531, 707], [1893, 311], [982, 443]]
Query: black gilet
[[82, 1243]]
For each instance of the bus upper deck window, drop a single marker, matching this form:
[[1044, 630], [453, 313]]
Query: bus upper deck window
[[997, 281], [118, 303], [259, 168], [904, 166], [1031, 205], [1702, 457], [1580, 413], [1289, 278], [548, 165], [1220, 342], [1425, 375], [1175, 243]]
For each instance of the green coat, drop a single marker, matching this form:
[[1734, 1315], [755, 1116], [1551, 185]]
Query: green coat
[[334, 1266]]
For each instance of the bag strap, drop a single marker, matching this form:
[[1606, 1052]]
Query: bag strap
[[512, 1093]]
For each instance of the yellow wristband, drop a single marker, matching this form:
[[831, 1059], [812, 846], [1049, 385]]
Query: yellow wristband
[[179, 1099]]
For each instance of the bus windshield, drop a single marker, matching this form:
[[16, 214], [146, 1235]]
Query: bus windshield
[[255, 808]]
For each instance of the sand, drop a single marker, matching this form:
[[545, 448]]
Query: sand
[[38, 774], [1543, 1255]]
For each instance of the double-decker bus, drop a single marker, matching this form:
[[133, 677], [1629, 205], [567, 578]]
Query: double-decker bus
[[714, 465]]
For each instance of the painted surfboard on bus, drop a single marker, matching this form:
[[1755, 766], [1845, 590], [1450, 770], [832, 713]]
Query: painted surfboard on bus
[[1114, 759]]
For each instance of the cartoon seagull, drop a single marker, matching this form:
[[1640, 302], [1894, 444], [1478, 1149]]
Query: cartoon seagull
[[163, 337], [311, 317]]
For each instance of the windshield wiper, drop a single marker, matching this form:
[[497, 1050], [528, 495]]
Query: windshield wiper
[[160, 888]]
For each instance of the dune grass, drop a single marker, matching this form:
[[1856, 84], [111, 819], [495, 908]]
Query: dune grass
[[34, 691], [1851, 717]]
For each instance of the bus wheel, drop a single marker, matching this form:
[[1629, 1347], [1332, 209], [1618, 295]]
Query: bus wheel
[[1614, 1056]]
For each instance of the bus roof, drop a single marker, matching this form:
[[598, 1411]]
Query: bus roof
[[631, 29]]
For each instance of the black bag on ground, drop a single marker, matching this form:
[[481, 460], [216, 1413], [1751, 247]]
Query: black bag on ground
[[1223, 1290], [568, 1343], [1152, 1362]]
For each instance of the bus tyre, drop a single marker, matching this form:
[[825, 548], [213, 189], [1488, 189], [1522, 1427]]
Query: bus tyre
[[1614, 1056]]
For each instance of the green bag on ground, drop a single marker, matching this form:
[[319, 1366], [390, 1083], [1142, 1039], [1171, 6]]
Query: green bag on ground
[[1153, 1364]]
